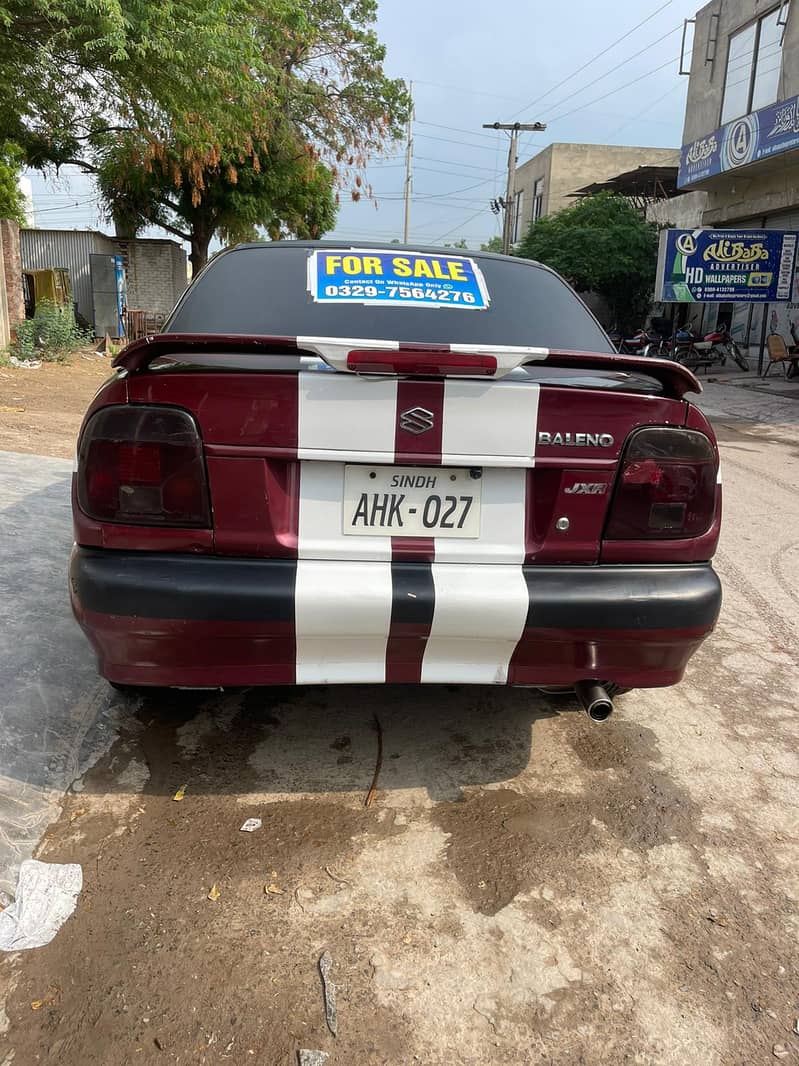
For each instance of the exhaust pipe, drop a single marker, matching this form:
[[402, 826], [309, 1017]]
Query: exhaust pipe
[[594, 700]]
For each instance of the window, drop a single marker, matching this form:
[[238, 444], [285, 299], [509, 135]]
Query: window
[[538, 199], [518, 232], [753, 65]]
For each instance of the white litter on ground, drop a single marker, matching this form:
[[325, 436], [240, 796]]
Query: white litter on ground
[[251, 825], [312, 1058], [47, 893]]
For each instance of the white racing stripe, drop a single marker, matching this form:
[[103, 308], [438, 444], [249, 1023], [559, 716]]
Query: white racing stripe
[[478, 619], [503, 507], [342, 618], [489, 423], [345, 417], [321, 518]]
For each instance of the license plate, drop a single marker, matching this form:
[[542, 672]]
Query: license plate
[[411, 501]]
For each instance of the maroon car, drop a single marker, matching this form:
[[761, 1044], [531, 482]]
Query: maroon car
[[344, 465]]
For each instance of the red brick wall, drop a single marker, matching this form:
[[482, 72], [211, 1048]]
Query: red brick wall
[[12, 269]]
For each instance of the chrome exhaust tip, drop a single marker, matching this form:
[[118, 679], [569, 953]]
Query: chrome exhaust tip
[[594, 700]]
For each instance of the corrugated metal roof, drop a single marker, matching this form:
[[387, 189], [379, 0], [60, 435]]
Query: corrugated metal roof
[[43, 249]]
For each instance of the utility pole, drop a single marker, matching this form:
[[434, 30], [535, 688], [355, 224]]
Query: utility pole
[[514, 128], [408, 174]]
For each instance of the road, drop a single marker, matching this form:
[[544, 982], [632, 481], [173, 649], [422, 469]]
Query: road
[[526, 888]]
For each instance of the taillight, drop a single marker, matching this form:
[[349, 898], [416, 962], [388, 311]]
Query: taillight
[[666, 486], [144, 466]]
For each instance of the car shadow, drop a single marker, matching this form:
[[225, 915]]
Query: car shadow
[[284, 742]]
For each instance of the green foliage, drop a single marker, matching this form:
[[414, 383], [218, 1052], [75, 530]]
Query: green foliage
[[282, 189], [205, 116], [492, 245], [601, 245], [458, 244], [50, 335], [12, 202], [71, 70]]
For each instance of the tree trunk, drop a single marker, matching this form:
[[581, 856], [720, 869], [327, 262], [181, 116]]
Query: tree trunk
[[200, 240]]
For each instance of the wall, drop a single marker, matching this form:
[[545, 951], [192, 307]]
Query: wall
[[156, 269], [5, 325], [706, 84], [568, 167], [156, 273], [12, 270], [681, 212], [761, 188], [44, 249]]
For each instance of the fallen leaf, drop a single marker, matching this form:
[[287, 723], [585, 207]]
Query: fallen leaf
[[272, 890], [37, 1004], [181, 792], [16, 410], [77, 814], [214, 894]]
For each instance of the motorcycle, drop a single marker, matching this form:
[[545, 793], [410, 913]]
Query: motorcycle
[[724, 346], [643, 342]]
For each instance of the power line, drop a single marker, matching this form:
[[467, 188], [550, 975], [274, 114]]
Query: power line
[[599, 55], [462, 144], [457, 129], [613, 70], [618, 89], [460, 225]]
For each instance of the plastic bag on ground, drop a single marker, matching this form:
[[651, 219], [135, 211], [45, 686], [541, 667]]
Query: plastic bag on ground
[[47, 893]]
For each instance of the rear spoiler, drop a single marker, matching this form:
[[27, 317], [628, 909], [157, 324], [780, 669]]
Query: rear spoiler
[[361, 356]]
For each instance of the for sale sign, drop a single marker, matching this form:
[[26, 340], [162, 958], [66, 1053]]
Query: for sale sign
[[396, 279], [726, 266]]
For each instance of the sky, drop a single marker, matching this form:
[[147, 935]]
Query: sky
[[473, 62]]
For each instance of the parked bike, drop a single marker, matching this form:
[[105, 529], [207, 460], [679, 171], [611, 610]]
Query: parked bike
[[723, 344]]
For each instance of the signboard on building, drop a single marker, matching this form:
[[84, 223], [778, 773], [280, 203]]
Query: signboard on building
[[770, 131], [726, 266]]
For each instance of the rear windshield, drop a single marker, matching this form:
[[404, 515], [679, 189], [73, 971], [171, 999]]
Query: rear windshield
[[264, 290]]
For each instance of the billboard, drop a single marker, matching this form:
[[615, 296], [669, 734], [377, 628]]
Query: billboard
[[726, 266], [770, 131]]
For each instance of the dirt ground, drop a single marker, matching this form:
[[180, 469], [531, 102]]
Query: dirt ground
[[527, 887], [41, 410]]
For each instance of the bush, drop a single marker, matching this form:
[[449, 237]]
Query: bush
[[50, 335]]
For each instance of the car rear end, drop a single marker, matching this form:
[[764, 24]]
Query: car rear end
[[280, 489]]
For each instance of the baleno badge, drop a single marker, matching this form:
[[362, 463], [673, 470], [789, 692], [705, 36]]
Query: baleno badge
[[416, 420], [577, 440]]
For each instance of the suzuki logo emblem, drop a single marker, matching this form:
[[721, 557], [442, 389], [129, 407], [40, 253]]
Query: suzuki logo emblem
[[416, 420]]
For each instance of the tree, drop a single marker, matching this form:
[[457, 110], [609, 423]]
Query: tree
[[12, 202], [292, 87], [72, 71], [494, 244], [286, 193], [601, 245]]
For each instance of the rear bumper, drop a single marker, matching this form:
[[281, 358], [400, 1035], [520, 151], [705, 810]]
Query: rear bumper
[[169, 619]]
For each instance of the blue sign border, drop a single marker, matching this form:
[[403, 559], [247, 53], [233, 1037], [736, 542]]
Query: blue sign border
[[770, 131], [727, 266], [388, 289]]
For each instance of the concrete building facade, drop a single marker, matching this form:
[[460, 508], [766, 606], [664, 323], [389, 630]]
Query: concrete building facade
[[739, 162], [547, 182]]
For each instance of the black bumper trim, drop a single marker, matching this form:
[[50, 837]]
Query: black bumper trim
[[211, 588]]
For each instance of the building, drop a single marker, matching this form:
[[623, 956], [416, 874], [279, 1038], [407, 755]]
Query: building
[[549, 181], [740, 157], [155, 270]]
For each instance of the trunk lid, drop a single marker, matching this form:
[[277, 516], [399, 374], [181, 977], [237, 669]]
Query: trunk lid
[[307, 461]]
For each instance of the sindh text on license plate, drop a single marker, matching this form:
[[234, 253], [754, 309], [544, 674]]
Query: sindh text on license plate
[[411, 501]]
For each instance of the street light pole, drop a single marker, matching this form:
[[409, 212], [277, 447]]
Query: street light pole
[[514, 128]]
